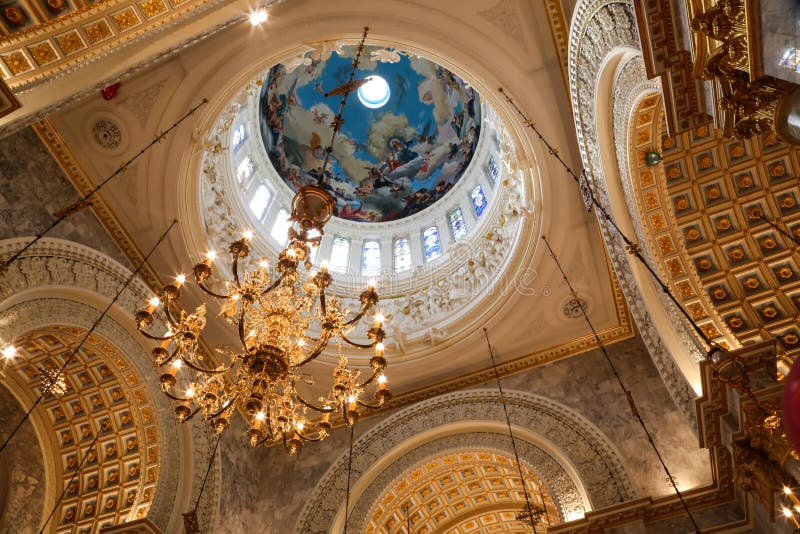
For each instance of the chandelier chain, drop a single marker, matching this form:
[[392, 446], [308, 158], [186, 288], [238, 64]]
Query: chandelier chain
[[74, 353], [529, 510], [623, 387]]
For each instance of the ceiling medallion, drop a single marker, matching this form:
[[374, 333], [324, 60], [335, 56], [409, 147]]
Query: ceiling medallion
[[275, 314]]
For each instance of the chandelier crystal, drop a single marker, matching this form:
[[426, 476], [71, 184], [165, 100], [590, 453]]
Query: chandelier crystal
[[283, 321]]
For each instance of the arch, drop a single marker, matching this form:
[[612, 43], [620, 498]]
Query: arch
[[62, 283], [603, 39], [574, 459]]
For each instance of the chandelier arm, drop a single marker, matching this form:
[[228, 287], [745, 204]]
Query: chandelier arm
[[323, 342], [307, 404], [155, 338], [235, 266], [241, 327], [371, 379], [304, 438], [175, 397], [275, 284], [370, 406], [209, 371], [170, 320], [358, 345], [364, 309], [212, 293]]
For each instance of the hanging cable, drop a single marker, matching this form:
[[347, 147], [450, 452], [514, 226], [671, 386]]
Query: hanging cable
[[74, 475], [528, 508], [779, 229], [84, 201], [349, 469], [190, 521], [630, 246], [623, 387], [68, 359]]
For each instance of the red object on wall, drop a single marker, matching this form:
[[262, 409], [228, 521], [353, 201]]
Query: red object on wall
[[791, 405], [109, 92]]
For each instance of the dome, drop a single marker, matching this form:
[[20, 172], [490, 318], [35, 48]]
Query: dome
[[409, 133]]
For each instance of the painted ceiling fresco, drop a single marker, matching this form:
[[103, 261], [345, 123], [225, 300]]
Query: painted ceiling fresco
[[396, 154]]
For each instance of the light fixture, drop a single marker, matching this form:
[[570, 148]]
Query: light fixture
[[283, 322], [9, 352], [258, 16]]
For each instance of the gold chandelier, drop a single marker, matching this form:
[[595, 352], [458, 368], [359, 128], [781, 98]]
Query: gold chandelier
[[273, 310]]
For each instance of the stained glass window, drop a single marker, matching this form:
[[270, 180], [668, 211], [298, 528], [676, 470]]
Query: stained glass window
[[280, 229], [402, 254], [493, 169], [340, 254], [478, 200], [258, 204], [790, 59], [431, 243], [371, 258], [239, 135], [457, 225], [245, 170]]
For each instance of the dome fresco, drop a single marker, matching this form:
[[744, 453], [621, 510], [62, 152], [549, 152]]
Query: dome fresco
[[408, 135]]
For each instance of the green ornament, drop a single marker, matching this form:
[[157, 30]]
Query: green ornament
[[652, 158]]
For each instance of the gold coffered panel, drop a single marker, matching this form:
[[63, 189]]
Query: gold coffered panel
[[104, 393], [460, 492], [47, 42], [737, 275]]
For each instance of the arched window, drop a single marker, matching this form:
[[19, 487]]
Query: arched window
[[402, 254], [244, 171], [371, 258], [340, 254], [280, 228], [478, 200], [493, 169], [431, 243], [314, 248], [457, 225], [238, 137], [259, 202]]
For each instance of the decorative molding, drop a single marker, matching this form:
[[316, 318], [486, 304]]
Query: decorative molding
[[598, 28], [593, 457], [57, 263], [8, 102], [505, 18], [83, 184]]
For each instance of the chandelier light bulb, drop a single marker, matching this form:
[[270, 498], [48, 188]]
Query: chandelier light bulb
[[787, 512], [787, 490], [301, 342], [261, 416], [155, 301], [9, 352], [177, 364], [247, 235], [371, 283], [323, 265], [379, 319], [180, 279], [291, 253], [190, 392], [382, 379], [258, 16], [264, 263], [379, 347], [351, 399], [300, 425]]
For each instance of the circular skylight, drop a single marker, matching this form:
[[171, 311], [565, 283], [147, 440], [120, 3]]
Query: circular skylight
[[375, 93], [409, 133]]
